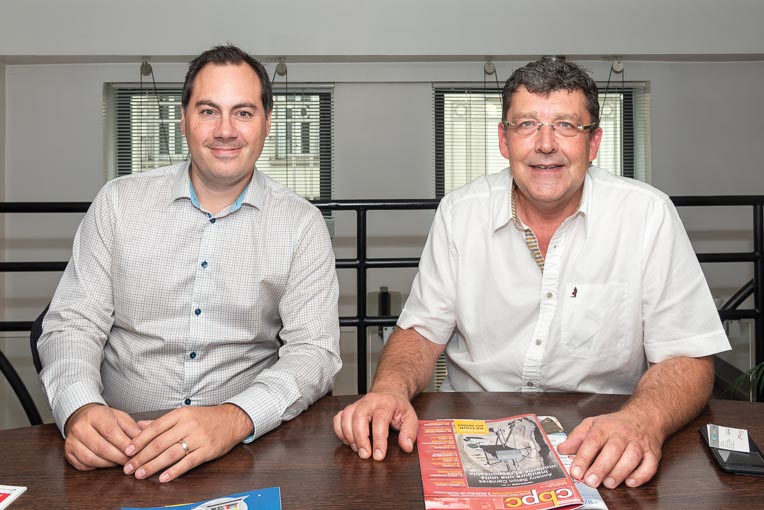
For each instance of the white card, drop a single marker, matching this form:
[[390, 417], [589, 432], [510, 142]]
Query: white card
[[728, 438]]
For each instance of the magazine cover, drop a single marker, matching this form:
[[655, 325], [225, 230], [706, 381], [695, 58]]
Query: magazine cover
[[492, 464], [556, 435], [263, 499]]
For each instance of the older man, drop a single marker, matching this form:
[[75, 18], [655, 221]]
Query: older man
[[203, 287], [554, 275]]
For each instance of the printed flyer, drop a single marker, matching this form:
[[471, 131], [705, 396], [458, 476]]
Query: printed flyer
[[492, 464], [263, 499]]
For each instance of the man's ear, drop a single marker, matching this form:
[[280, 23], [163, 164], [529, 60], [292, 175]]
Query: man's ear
[[503, 143], [183, 121], [594, 144]]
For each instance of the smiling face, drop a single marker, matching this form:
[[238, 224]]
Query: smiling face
[[225, 126], [547, 168]]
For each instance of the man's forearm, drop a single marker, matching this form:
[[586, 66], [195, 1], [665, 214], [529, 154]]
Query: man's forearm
[[406, 364], [673, 392]]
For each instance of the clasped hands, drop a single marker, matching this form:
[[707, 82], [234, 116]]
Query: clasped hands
[[98, 436], [610, 449]]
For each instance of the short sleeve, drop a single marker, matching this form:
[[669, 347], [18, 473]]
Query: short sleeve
[[679, 315], [430, 308]]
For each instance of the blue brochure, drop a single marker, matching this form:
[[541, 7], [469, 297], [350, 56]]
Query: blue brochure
[[263, 499]]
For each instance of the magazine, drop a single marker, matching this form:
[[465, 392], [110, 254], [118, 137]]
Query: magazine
[[263, 499], [556, 435], [8, 493], [492, 464]]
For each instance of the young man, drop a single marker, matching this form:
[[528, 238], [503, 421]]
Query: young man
[[203, 287], [554, 275]]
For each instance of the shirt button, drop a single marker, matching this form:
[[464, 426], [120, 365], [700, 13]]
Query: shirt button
[[529, 384], [198, 311], [538, 341], [192, 355], [549, 295], [212, 220], [187, 401], [204, 264]]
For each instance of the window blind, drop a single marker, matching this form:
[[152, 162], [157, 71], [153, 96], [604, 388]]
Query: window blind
[[143, 132], [466, 138]]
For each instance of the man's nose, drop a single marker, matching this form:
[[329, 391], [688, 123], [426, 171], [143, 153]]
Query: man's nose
[[546, 139], [225, 128]]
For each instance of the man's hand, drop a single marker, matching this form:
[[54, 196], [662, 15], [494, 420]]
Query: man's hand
[[96, 437], [380, 411], [208, 433], [612, 448]]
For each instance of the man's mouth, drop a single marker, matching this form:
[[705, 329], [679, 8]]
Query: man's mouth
[[225, 150], [546, 167]]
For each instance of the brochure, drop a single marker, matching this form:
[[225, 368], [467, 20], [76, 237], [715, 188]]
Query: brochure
[[556, 435], [262, 499], [8, 493], [492, 464]]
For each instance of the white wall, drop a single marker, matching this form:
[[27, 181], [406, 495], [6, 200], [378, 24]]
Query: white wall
[[383, 27], [707, 113]]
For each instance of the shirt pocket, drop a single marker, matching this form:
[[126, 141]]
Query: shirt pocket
[[593, 324]]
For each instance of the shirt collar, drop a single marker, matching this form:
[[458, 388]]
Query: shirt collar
[[506, 212], [500, 202], [253, 194]]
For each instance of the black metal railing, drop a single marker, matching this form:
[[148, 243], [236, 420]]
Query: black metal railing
[[361, 263]]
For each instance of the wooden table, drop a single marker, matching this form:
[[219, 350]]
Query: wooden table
[[314, 470]]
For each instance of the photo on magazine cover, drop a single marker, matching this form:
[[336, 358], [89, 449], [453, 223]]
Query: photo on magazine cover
[[512, 452]]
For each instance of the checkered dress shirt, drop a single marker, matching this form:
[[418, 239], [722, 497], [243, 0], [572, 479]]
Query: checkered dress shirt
[[164, 305]]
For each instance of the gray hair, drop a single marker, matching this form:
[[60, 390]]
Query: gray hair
[[550, 75]]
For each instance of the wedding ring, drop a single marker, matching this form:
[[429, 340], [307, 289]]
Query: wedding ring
[[184, 445]]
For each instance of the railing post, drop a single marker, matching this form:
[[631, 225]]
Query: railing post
[[758, 294], [362, 257]]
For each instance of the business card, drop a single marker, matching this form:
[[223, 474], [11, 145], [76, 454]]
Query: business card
[[728, 438]]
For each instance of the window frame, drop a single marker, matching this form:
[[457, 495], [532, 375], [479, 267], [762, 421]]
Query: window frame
[[630, 115], [118, 130]]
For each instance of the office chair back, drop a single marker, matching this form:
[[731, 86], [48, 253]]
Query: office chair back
[[34, 337]]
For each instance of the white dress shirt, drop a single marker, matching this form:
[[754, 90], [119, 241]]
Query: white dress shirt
[[621, 287], [163, 304]]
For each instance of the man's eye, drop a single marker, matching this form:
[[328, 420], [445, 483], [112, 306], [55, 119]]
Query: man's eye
[[244, 114], [526, 124], [563, 124], [207, 112]]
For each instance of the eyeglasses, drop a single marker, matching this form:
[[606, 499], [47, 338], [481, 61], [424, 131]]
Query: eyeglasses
[[560, 127]]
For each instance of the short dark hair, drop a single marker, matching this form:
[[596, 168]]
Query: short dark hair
[[227, 55], [550, 75]]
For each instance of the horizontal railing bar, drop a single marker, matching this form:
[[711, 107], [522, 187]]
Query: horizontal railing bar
[[717, 200], [728, 257], [11, 267], [377, 263], [43, 207], [426, 203], [16, 326]]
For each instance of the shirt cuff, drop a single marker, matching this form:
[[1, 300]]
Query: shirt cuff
[[263, 409], [72, 398]]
